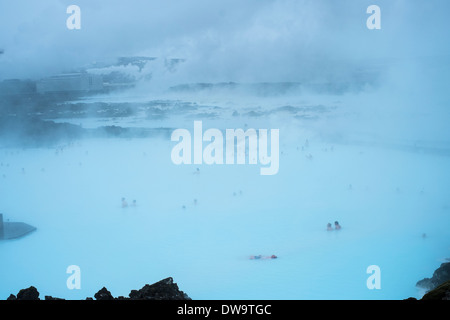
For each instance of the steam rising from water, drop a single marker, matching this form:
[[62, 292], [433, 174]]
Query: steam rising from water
[[373, 105]]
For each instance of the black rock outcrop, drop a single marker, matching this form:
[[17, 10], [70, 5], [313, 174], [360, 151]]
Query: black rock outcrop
[[30, 293], [165, 289], [441, 275], [441, 292], [103, 294]]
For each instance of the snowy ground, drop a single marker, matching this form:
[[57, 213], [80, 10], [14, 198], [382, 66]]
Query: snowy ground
[[73, 197]]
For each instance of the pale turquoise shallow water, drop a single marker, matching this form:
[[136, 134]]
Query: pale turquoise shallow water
[[73, 198]]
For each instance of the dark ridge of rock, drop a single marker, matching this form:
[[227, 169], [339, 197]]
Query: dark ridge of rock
[[127, 132], [30, 293], [441, 292], [165, 289], [13, 230], [29, 131], [103, 294], [441, 275], [52, 298]]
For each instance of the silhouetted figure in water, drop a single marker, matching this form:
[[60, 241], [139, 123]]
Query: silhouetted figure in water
[[124, 203], [195, 201], [197, 171], [337, 226], [424, 235], [133, 204], [350, 187], [259, 257], [329, 227]]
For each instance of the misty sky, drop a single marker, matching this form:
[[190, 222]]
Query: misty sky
[[232, 40]]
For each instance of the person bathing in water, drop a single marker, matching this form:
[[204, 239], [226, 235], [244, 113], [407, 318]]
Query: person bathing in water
[[261, 257], [337, 226], [124, 203]]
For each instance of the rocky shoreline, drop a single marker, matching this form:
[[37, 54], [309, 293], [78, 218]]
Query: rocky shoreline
[[35, 132], [165, 289], [438, 288]]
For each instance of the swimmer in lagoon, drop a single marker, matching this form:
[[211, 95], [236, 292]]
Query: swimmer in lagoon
[[259, 257], [337, 226], [124, 203]]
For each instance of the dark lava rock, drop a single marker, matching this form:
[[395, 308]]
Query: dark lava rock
[[32, 131], [28, 294], [165, 289], [441, 292], [103, 294], [441, 275], [52, 298]]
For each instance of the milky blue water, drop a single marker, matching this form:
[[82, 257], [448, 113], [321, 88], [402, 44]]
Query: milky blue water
[[202, 228]]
